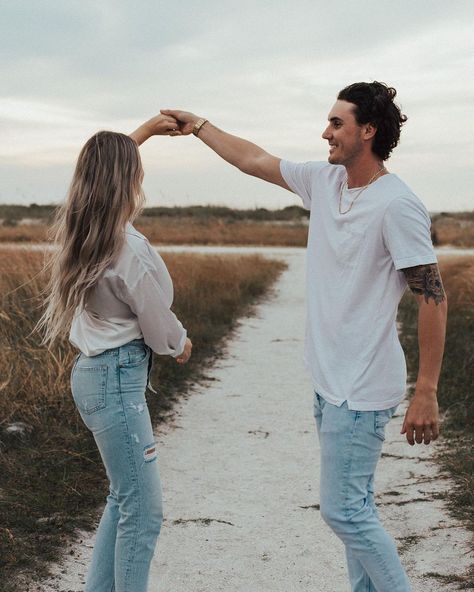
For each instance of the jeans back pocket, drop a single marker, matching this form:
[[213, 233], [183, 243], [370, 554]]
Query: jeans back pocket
[[89, 385]]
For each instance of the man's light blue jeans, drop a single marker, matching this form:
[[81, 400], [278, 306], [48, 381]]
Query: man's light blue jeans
[[351, 444], [109, 392]]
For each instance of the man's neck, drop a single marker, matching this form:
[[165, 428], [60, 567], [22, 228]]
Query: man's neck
[[361, 173]]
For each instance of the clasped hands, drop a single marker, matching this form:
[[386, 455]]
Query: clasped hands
[[169, 122]]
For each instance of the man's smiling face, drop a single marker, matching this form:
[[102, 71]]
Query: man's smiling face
[[343, 133]]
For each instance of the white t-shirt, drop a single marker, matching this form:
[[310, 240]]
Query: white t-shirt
[[354, 284], [131, 300]]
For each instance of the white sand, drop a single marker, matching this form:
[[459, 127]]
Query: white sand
[[239, 465]]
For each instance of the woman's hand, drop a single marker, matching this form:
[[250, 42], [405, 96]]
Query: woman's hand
[[160, 125], [185, 120], [184, 357]]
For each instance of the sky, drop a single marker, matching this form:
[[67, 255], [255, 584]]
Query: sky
[[268, 71]]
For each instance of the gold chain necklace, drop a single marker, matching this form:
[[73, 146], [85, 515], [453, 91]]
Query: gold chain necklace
[[344, 186]]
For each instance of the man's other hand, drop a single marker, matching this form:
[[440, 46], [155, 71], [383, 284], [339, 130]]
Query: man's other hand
[[421, 423]]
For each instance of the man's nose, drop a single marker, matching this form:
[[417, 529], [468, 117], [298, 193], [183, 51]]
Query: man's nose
[[326, 135]]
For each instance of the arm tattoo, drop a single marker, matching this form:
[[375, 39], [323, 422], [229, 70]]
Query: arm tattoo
[[424, 280]]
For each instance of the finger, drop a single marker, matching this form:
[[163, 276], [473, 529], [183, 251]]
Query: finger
[[172, 128], [404, 428], [170, 119], [434, 430], [175, 133], [418, 434], [427, 435], [408, 430]]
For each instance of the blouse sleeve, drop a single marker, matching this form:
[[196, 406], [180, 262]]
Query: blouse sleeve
[[162, 331]]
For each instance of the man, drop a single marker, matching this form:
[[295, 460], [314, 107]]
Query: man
[[369, 237]]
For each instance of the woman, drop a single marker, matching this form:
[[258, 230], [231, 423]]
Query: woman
[[113, 292]]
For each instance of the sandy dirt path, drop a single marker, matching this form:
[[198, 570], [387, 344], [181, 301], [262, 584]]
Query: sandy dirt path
[[239, 465]]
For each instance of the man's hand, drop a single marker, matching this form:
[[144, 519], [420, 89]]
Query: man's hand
[[184, 357], [160, 125], [421, 423], [186, 121]]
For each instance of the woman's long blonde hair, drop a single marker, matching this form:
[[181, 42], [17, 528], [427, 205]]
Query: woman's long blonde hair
[[89, 227]]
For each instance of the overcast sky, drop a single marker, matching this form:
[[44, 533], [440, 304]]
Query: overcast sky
[[266, 70]]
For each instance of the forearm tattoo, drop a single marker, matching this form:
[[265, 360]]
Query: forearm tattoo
[[424, 280]]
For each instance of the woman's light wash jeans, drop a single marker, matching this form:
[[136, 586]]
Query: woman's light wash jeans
[[351, 444], [109, 391]]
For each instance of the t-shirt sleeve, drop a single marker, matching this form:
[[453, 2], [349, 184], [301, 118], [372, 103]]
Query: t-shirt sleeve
[[407, 233], [300, 178]]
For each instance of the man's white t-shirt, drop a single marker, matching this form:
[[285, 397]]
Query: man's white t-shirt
[[354, 282]]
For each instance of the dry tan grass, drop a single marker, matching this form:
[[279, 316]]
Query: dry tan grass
[[458, 280], [24, 233], [175, 230], [208, 291], [188, 231], [52, 468], [454, 231], [222, 232]]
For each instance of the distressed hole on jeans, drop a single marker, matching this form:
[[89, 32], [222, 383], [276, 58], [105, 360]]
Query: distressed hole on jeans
[[140, 408], [149, 452]]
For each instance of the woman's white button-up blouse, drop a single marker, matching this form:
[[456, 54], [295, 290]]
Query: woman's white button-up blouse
[[131, 300]]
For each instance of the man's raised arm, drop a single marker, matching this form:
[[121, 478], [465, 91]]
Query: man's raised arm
[[245, 155]]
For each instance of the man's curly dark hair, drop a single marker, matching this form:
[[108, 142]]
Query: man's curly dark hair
[[374, 104]]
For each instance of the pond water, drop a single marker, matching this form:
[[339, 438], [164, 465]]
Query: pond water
[[231, 250]]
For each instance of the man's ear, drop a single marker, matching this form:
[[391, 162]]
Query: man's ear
[[370, 131]]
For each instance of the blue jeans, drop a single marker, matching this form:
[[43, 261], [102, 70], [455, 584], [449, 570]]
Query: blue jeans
[[109, 392], [351, 444]]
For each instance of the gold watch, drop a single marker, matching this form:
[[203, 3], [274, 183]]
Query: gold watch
[[198, 125]]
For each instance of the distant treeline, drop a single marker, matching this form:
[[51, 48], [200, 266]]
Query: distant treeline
[[15, 213], [469, 215], [222, 212]]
